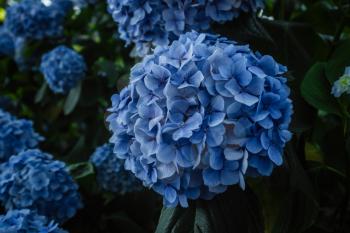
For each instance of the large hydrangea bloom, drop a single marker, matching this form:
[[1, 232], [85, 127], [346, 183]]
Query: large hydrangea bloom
[[31, 19], [144, 22], [33, 180], [7, 43], [62, 68], [111, 174], [16, 135], [27, 221], [200, 115]]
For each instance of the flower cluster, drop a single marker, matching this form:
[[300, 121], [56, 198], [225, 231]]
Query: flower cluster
[[31, 19], [33, 180], [26, 221], [111, 174], [146, 22], [62, 68], [199, 115], [16, 135], [342, 85], [7, 44]]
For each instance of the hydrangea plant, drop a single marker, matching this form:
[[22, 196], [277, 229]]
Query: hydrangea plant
[[27, 221], [342, 85], [111, 174], [146, 22], [44, 185], [62, 68], [16, 135], [33, 20], [200, 115]]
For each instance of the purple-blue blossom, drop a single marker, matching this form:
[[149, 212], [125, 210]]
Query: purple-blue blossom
[[156, 22], [44, 185], [111, 175], [27, 221], [16, 135], [33, 20], [200, 115], [63, 69]]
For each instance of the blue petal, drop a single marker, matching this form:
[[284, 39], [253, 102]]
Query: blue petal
[[275, 155], [211, 177], [229, 177], [254, 146], [233, 153], [170, 194], [246, 99]]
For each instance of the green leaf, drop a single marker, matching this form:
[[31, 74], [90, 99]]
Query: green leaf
[[339, 60], [72, 99], [41, 93], [233, 211], [316, 90], [81, 170]]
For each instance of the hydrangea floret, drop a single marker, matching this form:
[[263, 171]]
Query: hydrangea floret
[[200, 115], [33, 20], [27, 221], [111, 175], [63, 69], [147, 22], [43, 183], [16, 135], [7, 43], [342, 85]]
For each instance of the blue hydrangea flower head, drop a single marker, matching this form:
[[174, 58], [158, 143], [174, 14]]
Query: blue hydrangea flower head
[[62, 68], [7, 43], [27, 221], [111, 174], [200, 115], [342, 85], [44, 184], [147, 22], [33, 20], [16, 135]]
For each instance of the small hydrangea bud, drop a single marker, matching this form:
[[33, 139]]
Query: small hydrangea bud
[[62, 68]]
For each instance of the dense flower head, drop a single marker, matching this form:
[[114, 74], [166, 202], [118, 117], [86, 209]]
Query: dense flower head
[[200, 115], [27, 221], [34, 180], [16, 135], [32, 19], [62, 68], [111, 174], [146, 22], [342, 85], [7, 43]]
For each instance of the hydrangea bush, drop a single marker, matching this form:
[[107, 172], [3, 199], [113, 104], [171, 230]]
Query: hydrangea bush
[[146, 22], [16, 135], [199, 116], [111, 175], [27, 221], [44, 185], [63, 68], [33, 20]]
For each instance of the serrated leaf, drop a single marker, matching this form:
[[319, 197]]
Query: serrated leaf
[[41, 93], [316, 90], [339, 60], [72, 99], [81, 170]]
